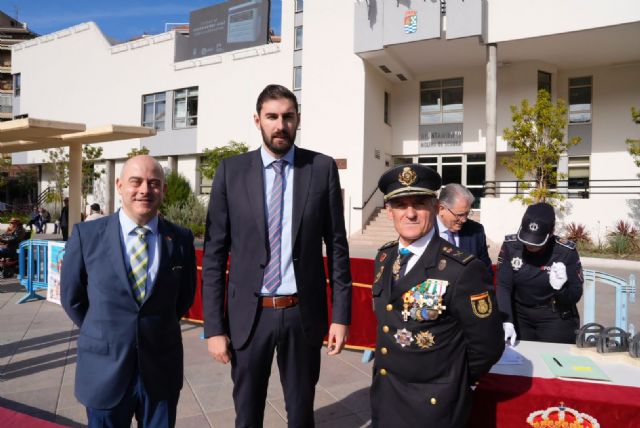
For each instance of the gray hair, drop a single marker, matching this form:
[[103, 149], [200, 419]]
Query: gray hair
[[453, 192]]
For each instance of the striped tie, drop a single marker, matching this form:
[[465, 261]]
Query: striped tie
[[139, 259], [272, 274], [451, 237]]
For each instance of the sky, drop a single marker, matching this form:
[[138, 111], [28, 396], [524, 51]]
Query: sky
[[118, 19]]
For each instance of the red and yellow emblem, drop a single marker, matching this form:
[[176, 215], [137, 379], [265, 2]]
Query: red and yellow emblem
[[561, 416], [481, 304]]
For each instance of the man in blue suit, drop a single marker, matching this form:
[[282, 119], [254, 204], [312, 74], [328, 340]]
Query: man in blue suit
[[127, 279], [455, 226]]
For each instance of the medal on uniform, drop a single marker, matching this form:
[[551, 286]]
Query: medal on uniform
[[403, 337], [379, 274], [395, 269], [442, 264], [425, 339], [516, 263], [424, 301]]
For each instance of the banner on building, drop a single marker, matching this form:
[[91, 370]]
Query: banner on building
[[441, 138], [224, 27], [54, 262]]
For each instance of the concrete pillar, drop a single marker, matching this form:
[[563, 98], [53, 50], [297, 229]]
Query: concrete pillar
[[110, 180], [492, 113], [172, 162], [75, 184]]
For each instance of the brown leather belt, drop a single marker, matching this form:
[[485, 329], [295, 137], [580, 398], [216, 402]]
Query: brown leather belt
[[278, 302]]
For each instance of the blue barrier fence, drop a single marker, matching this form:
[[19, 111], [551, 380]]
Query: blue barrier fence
[[32, 258], [625, 294]]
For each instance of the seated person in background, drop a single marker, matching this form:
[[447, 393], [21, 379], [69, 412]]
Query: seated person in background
[[10, 240], [539, 281], [34, 220], [45, 218], [455, 226], [95, 213]]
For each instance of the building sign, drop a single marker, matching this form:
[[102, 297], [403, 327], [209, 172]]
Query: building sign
[[228, 26], [410, 21], [442, 138]]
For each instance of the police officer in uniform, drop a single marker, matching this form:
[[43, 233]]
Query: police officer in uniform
[[539, 281], [438, 328]]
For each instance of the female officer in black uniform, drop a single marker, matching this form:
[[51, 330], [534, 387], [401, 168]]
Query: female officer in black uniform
[[539, 281]]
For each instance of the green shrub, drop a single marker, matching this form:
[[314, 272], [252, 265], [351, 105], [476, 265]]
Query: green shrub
[[620, 244], [624, 238], [190, 213], [178, 190]]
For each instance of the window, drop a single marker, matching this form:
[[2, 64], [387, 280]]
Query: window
[[544, 81], [578, 182], [386, 108], [299, 6], [17, 85], [185, 108], [205, 183], [298, 40], [297, 78], [441, 101], [580, 100], [153, 108]]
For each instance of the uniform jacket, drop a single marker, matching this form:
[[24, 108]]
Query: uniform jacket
[[428, 381], [524, 277], [118, 336], [236, 227]]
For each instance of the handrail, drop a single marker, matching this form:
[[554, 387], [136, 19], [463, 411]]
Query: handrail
[[585, 187], [367, 200]]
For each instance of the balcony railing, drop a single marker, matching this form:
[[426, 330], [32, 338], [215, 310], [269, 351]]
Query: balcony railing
[[582, 188]]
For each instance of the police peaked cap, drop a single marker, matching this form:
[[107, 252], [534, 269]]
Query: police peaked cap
[[409, 180]]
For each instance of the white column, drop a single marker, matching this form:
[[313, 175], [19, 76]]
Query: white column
[[491, 110], [110, 181], [75, 184]]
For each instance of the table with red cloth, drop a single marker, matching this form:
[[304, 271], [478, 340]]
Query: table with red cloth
[[510, 393]]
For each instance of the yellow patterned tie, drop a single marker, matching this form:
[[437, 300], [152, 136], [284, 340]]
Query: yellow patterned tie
[[139, 259]]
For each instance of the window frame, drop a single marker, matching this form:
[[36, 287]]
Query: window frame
[[297, 47], [441, 85], [177, 96], [545, 74], [297, 85], [590, 109], [155, 102], [299, 6], [17, 84]]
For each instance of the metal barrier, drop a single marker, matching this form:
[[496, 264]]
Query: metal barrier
[[32, 258], [625, 293]]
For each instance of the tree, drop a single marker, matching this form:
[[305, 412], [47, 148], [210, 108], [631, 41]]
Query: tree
[[213, 157], [58, 165], [90, 154], [136, 152], [178, 190], [633, 144], [537, 137]]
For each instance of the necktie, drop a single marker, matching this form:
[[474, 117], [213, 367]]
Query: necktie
[[400, 265], [139, 259], [272, 274], [450, 237]]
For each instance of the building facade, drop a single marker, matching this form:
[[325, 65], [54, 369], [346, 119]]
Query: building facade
[[380, 83]]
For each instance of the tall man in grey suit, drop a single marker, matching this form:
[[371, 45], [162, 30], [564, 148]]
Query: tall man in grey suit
[[270, 211], [127, 279]]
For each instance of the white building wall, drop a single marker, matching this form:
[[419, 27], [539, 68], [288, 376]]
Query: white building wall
[[511, 20], [333, 95]]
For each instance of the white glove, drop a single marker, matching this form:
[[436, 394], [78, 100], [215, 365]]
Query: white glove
[[509, 332], [557, 275]]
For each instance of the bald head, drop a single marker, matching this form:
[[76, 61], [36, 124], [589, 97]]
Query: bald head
[[142, 188]]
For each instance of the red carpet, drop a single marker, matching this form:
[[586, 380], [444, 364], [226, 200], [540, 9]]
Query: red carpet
[[11, 419]]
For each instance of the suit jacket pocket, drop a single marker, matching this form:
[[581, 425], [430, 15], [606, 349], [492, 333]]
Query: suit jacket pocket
[[91, 344]]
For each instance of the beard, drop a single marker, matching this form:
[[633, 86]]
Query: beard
[[280, 148]]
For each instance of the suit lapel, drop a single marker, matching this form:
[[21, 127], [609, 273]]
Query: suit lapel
[[301, 181], [255, 191], [417, 274], [165, 240], [117, 253]]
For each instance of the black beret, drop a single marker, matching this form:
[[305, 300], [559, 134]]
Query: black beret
[[409, 180]]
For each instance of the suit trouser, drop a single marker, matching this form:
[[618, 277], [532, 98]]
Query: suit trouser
[[542, 324], [136, 401], [277, 330]]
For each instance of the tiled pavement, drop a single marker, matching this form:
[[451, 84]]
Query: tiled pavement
[[37, 367]]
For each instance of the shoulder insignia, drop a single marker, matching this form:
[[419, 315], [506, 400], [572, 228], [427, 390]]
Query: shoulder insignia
[[511, 238], [566, 243], [388, 245], [457, 254]]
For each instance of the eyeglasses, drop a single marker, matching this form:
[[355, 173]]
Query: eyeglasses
[[460, 216]]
